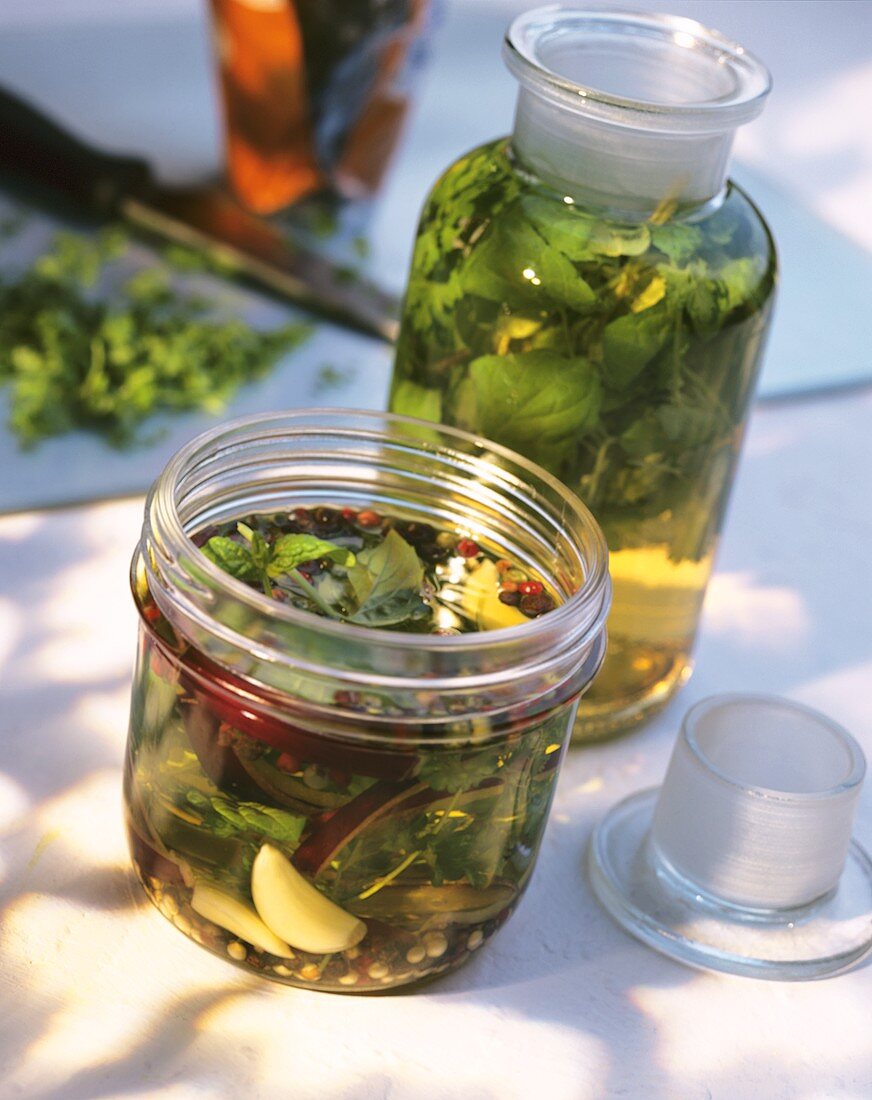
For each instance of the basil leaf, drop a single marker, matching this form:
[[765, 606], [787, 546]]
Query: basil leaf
[[289, 551], [536, 402], [386, 581], [231, 557]]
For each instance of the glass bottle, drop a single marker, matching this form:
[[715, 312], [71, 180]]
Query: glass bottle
[[339, 806], [594, 293], [314, 93]]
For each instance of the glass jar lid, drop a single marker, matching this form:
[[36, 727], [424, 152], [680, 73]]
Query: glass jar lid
[[655, 72]]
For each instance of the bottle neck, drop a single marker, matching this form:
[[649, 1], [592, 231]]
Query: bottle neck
[[623, 169]]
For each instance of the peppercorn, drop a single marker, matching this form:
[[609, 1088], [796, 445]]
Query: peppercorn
[[417, 533], [533, 606], [327, 520], [431, 554], [368, 518], [466, 548]]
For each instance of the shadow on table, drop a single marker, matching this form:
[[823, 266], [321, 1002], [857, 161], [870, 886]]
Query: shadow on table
[[560, 960]]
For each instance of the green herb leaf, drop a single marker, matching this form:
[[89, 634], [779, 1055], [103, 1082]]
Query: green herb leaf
[[410, 399], [631, 342], [457, 771], [231, 557], [514, 262], [611, 239], [678, 242], [386, 581], [565, 228], [226, 817], [76, 359], [289, 551], [536, 402]]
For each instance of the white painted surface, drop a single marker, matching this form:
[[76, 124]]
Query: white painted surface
[[101, 997]]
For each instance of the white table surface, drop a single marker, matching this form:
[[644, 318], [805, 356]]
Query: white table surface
[[101, 997]]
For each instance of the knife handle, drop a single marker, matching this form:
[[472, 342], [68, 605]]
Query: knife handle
[[37, 151]]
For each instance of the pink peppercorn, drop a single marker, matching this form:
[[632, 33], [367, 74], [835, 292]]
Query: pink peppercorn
[[530, 588], [466, 548]]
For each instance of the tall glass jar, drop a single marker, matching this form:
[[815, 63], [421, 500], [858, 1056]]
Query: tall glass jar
[[594, 293], [332, 805]]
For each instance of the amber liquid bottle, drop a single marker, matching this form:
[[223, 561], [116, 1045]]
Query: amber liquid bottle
[[314, 94]]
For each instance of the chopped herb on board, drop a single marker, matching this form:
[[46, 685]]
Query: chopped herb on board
[[72, 360]]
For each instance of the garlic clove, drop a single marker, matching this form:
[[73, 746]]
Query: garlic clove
[[237, 917], [292, 908]]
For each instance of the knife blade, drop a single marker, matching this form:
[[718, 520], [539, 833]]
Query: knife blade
[[38, 152]]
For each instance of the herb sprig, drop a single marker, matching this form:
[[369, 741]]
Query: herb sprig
[[72, 358], [620, 356], [383, 582]]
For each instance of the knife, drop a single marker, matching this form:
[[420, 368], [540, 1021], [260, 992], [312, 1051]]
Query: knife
[[36, 151]]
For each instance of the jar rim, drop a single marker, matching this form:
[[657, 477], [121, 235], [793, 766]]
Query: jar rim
[[529, 36], [562, 615], [543, 659]]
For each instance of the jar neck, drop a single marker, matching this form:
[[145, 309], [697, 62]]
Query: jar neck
[[632, 112], [272, 463], [627, 172]]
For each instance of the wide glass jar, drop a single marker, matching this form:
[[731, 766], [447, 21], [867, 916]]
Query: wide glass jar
[[343, 806], [593, 293]]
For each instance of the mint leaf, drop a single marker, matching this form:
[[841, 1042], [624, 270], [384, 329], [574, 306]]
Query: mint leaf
[[231, 557], [514, 262], [739, 280], [678, 242], [457, 771], [410, 399], [631, 342], [536, 402], [386, 581], [224, 818], [559, 280], [289, 551], [564, 228], [610, 239]]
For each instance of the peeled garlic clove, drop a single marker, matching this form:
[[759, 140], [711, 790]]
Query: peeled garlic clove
[[237, 917], [292, 908]]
